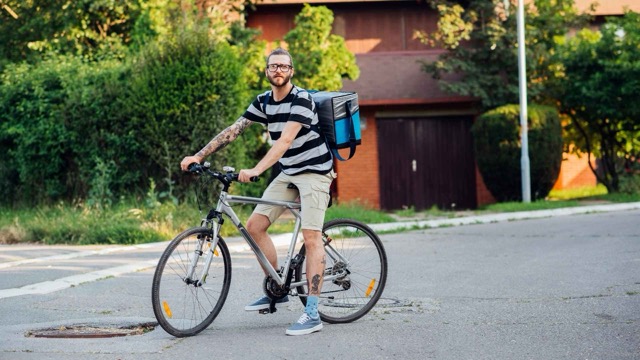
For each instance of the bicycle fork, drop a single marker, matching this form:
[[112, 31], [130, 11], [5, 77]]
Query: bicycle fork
[[209, 253]]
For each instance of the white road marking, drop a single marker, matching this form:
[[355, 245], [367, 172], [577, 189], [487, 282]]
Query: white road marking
[[47, 287], [80, 254]]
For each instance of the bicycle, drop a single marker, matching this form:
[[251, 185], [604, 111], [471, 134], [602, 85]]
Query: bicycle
[[193, 276]]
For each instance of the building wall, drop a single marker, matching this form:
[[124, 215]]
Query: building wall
[[609, 7], [483, 194], [358, 178], [366, 27], [575, 172]]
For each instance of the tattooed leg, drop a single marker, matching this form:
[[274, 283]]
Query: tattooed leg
[[316, 260]]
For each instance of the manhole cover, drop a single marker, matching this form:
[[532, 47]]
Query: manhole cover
[[88, 331]]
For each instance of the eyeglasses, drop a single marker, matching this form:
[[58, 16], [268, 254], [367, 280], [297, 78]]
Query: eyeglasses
[[283, 67]]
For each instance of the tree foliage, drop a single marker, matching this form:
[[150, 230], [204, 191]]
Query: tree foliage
[[79, 128], [480, 38], [58, 120], [180, 99], [323, 58], [92, 29], [599, 92]]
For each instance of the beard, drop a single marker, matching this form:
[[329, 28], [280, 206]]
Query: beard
[[279, 81]]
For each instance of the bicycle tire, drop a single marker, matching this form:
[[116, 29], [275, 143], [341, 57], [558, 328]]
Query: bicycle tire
[[350, 298], [184, 309]]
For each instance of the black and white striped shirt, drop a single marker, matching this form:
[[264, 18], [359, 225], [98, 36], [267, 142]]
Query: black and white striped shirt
[[308, 152]]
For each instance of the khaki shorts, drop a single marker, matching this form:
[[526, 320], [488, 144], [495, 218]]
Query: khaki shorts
[[314, 197]]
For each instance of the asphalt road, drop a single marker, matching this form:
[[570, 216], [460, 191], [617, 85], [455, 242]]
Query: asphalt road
[[556, 288]]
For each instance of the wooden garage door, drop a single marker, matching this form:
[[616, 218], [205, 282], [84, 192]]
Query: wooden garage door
[[426, 162]]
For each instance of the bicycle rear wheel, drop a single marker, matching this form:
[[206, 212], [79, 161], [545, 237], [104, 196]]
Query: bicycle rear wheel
[[355, 254], [183, 306]]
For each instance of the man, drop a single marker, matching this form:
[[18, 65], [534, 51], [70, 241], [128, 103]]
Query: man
[[305, 161]]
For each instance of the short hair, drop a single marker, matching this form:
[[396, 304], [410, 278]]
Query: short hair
[[280, 51]]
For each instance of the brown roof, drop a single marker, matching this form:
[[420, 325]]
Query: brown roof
[[397, 78]]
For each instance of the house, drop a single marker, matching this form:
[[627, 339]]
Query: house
[[416, 143]]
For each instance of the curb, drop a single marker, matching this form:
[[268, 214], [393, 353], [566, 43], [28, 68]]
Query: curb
[[493, 218]]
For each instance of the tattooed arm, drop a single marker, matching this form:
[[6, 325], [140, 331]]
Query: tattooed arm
[[220, 141]]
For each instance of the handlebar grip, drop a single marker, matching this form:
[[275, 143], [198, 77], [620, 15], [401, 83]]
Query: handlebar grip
[[234, 177], [194, 167]]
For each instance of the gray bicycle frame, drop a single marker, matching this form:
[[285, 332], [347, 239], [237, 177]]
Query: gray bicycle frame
[[223, 207]]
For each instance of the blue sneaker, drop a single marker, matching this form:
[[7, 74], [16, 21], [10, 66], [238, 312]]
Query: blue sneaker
[[305, 325], [263, 303]]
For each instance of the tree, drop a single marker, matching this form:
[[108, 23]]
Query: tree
[[480, 40], [93, 29], [326, 58], [599, 93]]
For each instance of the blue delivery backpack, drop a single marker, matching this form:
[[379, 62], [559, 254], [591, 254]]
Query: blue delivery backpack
[[339, 117]]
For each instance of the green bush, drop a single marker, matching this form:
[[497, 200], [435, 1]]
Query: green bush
[[630, 184], [183, 91], [59, 121], [75, 130], [498, 150]]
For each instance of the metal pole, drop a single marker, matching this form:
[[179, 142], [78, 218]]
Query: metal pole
[[524, 139]]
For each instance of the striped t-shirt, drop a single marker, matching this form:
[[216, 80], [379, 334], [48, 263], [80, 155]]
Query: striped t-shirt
[[308, 152]]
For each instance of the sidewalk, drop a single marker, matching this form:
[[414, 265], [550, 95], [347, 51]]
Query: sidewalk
[[491, 218]]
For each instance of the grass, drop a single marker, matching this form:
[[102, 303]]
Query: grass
[[356, 211], [131, 222], [80, 224], [536, 205], [583, 192]]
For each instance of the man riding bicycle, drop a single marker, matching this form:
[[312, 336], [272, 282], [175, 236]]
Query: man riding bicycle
[[305, 160]]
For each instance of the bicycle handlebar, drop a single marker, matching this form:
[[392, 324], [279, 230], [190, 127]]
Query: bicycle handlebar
[[225, 177]]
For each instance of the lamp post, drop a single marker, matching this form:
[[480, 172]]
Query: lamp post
[[524, 139]]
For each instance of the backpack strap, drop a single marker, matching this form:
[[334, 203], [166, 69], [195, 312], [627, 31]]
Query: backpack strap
[[352, 136], [265, 101], [316, 127]]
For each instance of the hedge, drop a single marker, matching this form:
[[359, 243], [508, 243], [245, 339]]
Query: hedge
[[497, 145], [96, 131]]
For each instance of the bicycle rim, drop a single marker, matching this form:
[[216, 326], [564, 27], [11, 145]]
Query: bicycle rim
[[182, 308], [354, 294]]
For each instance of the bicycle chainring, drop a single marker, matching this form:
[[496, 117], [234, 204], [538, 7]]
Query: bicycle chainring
[[273, 290]]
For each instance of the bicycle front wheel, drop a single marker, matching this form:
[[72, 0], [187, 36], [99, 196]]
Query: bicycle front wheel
[[355, 273], [182, 303]]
